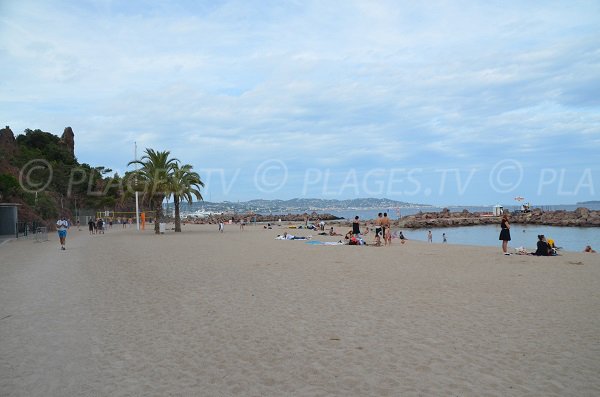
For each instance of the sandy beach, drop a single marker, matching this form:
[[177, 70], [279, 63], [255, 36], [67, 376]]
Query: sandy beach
[[243, 314]]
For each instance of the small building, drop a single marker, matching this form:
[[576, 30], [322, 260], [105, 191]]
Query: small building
[[8, 219], [498, 210]]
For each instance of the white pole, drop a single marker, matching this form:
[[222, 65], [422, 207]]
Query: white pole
[[137, 204]]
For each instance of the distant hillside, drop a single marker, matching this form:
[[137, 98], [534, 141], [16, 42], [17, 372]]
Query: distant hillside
[[312, 203], [594, 202], [304, 205]]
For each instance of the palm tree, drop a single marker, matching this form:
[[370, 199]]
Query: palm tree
[[153, 179], [185, 184]]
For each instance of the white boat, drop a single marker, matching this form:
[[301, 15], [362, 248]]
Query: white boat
[[201, 213]]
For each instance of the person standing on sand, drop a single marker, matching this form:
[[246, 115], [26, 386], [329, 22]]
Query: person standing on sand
[[386, 227], [378, 232], [444, 238], [355, 226], [61, 226], [505, 234], [429, 237]]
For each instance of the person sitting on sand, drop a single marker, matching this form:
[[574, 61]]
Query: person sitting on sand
[[356, 240], [333, 233], [588, 248], [542, 246]]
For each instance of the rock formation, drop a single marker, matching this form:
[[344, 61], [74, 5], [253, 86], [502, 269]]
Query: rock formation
[[68, 139], [581, 217], [8, 144]]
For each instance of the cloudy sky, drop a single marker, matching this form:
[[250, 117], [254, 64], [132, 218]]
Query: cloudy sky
[[450, 102]]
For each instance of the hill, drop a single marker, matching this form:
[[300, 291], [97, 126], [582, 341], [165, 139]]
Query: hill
[[299, 205], [39, 170]]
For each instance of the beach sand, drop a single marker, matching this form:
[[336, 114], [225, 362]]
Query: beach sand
[[240, 313]]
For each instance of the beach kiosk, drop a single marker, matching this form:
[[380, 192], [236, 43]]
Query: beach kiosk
[[498, 210], [8, 219]]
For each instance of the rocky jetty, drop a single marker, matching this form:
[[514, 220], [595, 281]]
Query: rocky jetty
[[581, 217], [313, 217]]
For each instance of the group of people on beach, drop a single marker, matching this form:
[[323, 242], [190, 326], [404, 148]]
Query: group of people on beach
[[383, 231], [97, 226]]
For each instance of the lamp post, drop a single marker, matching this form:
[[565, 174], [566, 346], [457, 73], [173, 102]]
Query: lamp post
[[137, 204]]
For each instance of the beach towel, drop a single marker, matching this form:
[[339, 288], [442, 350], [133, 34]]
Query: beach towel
[[324, 243]]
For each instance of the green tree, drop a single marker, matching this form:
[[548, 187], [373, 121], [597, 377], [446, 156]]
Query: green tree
[[9, 186], [154, 179], [185, 184]]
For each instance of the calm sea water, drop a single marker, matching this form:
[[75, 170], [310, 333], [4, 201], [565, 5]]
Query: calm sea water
[[569, 238]]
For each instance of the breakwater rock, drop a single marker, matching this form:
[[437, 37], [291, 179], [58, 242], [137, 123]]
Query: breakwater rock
[[312, 218], [581, 217]]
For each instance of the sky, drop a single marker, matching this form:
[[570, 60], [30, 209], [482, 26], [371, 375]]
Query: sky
[[438, 102]]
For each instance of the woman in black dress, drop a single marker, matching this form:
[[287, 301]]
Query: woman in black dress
[[505, 234], [356, 226]]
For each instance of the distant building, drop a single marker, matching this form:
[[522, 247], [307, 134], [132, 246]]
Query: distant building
[[498, 210]]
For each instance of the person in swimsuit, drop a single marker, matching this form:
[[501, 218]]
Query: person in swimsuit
[[378, 231], [386, 227], [355, 226]]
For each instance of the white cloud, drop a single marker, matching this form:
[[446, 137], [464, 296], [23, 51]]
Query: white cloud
[[233, 82]]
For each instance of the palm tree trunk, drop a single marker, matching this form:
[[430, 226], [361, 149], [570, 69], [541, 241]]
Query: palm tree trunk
[[177, 219], [157, 215]]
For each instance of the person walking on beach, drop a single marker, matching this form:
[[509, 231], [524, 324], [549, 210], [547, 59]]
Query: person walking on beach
[[444, 238], [505, 234], [61, 226], [429, 237]]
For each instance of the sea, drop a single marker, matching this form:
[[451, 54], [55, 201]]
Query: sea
[[571, 239]]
